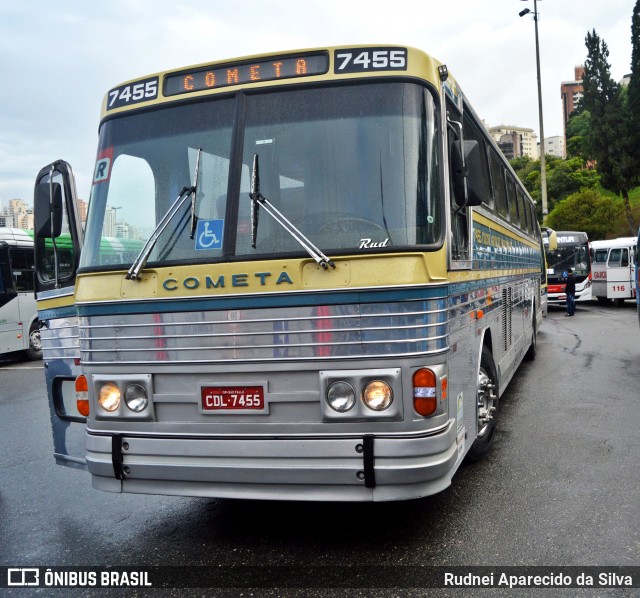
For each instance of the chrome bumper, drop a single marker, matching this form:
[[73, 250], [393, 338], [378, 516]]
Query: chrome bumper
[[365, 468]]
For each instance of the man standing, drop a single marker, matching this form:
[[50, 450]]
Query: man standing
[[570, 291]]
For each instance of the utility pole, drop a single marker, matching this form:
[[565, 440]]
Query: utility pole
[[543, 166]]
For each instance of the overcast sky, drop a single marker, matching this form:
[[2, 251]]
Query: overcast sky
[[59, 58]]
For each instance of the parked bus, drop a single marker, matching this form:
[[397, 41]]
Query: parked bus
[[19, 329], [613, 269], [571, 253], [337, 275], [549, 242], [637, 259]]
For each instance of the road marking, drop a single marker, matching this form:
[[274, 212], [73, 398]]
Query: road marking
[[26, 367]]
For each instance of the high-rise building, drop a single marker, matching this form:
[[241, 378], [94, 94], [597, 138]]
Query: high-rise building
[[571, 93], [555, 146], [515, 141], [17, 215], [82, 211], [110, 222]]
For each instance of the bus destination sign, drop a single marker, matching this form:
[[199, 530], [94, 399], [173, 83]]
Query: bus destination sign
[[271, 69]]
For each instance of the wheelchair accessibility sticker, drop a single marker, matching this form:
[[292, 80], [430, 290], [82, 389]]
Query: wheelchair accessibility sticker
[[209, 234]]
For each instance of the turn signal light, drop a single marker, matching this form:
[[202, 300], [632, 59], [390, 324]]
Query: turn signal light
[[82, 395], [425, 401]]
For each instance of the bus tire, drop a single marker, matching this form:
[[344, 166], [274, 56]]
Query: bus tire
[[486, 407], [34, 351]]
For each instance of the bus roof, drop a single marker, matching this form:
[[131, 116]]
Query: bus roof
[[15, 237], [614, 243], [285, 68]]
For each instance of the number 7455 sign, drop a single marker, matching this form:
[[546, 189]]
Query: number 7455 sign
[[357, 60], [133, 93]]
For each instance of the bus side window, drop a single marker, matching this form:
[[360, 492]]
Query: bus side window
[[3, 285], [22, 266], [534, 224], [624, 258], [521, 212], [498, 185], [614, 257], [513, 206]]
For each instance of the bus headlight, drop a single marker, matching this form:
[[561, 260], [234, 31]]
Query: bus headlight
[[377, 395], [136, 398], [109, 397], [341, 397]]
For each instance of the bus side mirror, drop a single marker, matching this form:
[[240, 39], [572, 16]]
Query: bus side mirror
[[47, 208], [469, 168]]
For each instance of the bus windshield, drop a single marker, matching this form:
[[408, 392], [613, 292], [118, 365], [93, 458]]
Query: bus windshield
[[569, 256], [354, 168]]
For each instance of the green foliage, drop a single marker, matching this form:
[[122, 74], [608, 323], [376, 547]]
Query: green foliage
[[598, 211], [564, 177], [633, 91], [610, 139], [588, 211], [577, 135]]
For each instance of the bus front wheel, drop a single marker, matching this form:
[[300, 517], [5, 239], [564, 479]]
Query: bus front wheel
[[34, 351], [486, 408]]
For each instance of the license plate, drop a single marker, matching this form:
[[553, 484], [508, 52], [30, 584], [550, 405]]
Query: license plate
[[232, 398]]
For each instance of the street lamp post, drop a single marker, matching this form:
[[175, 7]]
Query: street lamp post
[[543, 166]]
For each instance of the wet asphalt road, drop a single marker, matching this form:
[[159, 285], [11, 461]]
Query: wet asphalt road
[[560, 488]]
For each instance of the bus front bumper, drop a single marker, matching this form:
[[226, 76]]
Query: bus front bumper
[[365, 468]]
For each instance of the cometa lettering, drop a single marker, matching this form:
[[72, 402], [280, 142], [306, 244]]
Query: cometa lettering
[[240, 280]]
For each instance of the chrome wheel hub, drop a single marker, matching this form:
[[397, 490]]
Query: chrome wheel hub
[[486, 402]]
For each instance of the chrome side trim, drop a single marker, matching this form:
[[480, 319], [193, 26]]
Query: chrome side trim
[[61, 339]]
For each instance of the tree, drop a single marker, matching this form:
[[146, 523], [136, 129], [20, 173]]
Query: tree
[[609, 140], [577, 134], [564, 177], [633, 91], [586, 210]]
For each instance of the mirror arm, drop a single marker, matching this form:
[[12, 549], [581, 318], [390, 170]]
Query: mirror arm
[[51, 229]]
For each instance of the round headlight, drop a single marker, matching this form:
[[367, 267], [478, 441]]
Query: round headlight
[[109, 397], [341, 396], [136, 397], [377, 395]]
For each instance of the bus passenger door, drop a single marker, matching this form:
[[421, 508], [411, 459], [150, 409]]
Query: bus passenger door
[[58, 242], [10, 330]]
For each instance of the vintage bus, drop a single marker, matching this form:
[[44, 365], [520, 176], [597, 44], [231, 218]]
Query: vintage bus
[[613, 269], [571, 252], [19, 327], [332, 277]]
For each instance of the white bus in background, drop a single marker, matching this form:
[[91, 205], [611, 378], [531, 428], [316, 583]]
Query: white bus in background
[[19, 327], [613, 268], [571, 252]]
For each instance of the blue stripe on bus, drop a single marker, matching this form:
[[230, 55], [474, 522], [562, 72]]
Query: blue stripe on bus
[[332, 297], [54, 313]]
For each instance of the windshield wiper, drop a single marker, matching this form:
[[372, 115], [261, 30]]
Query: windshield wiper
[[140, 262], [194, 195], [257, 200]]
